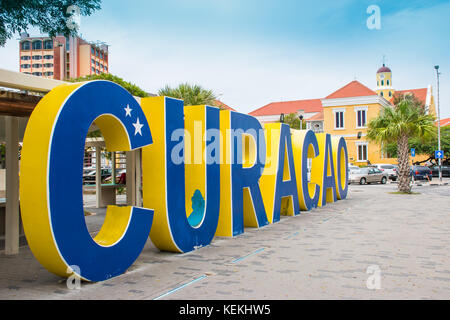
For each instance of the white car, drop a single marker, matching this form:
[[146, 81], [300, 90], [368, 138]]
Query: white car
[[390, 169]]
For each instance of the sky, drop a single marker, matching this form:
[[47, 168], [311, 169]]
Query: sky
[[251, 53]]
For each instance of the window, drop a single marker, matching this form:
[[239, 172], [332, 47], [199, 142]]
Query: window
[[37, 65], [93, 69], [25, 66], [390, 94], [48, 74], [93, 51], [339, 119], [381, 93], [48, 65], [361, 117], [387, 82], [37, 45], [25, 58], [39, 74], [25, 45], [37, 57], [48, 44], [362, 152], [382, 82], [92, 61], [49, 56]]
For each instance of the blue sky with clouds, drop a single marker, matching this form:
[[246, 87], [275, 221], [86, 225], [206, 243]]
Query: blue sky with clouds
[[255, 52]]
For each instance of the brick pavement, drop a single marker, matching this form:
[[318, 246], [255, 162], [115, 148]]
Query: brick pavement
[[322, 254]]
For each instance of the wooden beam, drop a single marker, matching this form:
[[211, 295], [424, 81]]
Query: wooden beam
[[17, 104], [21, 81]]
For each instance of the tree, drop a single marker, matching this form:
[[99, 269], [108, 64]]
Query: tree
[[49, 16], [192, 95], [406, 120], [132, 88], [293, 121], [427, 147]]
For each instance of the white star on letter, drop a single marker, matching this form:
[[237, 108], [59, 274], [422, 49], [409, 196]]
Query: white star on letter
[[138, 126], [128, 110]]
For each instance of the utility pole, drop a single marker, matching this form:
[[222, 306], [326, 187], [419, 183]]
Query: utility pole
[[439, 123]]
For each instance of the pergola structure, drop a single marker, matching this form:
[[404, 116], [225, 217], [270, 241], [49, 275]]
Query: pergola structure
[[19, 95]]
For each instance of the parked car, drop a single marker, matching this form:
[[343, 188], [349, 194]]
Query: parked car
[[89, 178], [445, 171], [120, 176], [390, 169], [421, 173], [367, 175]]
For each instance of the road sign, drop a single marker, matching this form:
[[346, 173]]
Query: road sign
[[413, 152], [439, 154]]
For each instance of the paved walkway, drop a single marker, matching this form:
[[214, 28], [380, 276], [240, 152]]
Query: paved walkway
[[322, 254]]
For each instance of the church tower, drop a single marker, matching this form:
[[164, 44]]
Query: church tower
[[384, 83]]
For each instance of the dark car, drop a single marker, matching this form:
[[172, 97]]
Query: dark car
[[89, 178], [421, 173], [445, 171]]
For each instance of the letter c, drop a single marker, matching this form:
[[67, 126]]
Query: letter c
[[51, 180]]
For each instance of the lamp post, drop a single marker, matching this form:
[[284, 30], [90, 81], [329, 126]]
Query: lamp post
[[282, 118], [439, 123], [301, 121]]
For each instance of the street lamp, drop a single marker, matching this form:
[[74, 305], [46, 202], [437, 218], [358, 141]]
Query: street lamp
[[282, 118], [301, 121], [439, 123]]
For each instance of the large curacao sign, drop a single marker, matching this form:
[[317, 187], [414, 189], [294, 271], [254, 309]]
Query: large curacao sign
[[205, 173]]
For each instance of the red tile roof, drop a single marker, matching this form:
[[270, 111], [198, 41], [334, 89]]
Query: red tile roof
[[317, 117], [222, 105], [420, 94], [445, 122], [286, 107], [353, 89]]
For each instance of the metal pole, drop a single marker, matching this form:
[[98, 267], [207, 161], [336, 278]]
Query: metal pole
[[98, 176], [12, 220], [439, 124]]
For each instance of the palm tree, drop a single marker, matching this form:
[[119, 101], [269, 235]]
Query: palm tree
[[192, 95], [407, 119]]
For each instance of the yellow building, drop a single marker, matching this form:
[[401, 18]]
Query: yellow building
[[346, 113], [348, 110]]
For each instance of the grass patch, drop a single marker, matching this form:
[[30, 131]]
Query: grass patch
[[401, 192]]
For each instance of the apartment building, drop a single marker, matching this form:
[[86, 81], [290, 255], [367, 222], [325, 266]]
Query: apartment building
[[62, 57]]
